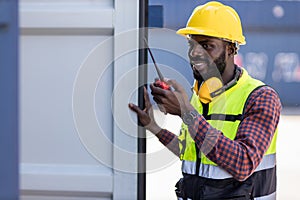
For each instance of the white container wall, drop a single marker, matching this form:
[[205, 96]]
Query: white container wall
[[78, 70]]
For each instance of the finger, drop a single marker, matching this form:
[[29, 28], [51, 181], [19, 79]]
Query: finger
[[157, 90], [136, 109], [143, 117], [162, 108], [157, 100], [175, 85]]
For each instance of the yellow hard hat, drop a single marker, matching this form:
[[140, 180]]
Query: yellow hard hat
[[216, 20]]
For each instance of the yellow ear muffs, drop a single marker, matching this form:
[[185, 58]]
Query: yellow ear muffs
[[209, 86], [213, 87]]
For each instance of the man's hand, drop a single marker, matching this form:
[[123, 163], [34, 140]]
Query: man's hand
[[146, 116], [174, 102]]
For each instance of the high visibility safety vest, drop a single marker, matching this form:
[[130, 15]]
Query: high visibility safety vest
[[225, 113]]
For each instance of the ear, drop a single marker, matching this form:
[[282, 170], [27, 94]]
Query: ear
[[231, 50]]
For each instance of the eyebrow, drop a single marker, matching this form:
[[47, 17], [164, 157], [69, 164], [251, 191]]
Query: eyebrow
[[202, 41]]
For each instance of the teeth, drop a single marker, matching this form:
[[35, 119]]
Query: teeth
[[199, 66]]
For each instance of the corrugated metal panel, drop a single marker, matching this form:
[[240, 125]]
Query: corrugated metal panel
[[71, 63]]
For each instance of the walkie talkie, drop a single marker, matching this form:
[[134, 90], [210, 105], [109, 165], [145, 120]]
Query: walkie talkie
[[159, 82]]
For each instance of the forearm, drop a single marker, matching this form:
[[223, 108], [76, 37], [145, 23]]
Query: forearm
[[237, 157], [169, 140]]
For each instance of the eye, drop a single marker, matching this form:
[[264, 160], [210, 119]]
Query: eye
[[205, 46]]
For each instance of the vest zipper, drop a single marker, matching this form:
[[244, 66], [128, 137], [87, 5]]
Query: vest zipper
[[205, 107], [198, 161]]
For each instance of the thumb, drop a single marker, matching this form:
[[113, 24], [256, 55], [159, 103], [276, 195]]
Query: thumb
[[175, 85]]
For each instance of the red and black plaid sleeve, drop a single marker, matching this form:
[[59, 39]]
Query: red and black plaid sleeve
[[169, 140]]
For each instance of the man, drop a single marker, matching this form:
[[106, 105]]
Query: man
[[227, 142]]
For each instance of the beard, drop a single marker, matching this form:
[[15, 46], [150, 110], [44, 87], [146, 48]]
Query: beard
[[219, 64]]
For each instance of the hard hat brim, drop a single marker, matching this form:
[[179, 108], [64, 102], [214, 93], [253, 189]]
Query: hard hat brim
[[195, 31], [204, 31]]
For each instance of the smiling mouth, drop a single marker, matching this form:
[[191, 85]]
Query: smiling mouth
[[200, 67]]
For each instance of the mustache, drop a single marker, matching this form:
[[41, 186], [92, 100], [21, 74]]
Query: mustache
[[199, 59]]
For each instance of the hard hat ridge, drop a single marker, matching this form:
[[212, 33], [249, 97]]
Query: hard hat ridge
[[216, 20]]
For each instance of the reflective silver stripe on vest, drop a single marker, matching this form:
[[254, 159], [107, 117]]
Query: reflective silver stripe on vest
[[188, 167], [211, 171], [215, 172], [268, 197], [269, 161]]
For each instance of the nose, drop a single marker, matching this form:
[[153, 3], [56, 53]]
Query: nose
[[197, 52], [194, 50]]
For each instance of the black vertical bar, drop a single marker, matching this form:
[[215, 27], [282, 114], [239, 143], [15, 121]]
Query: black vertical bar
[[143, 33], [9, 169]]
